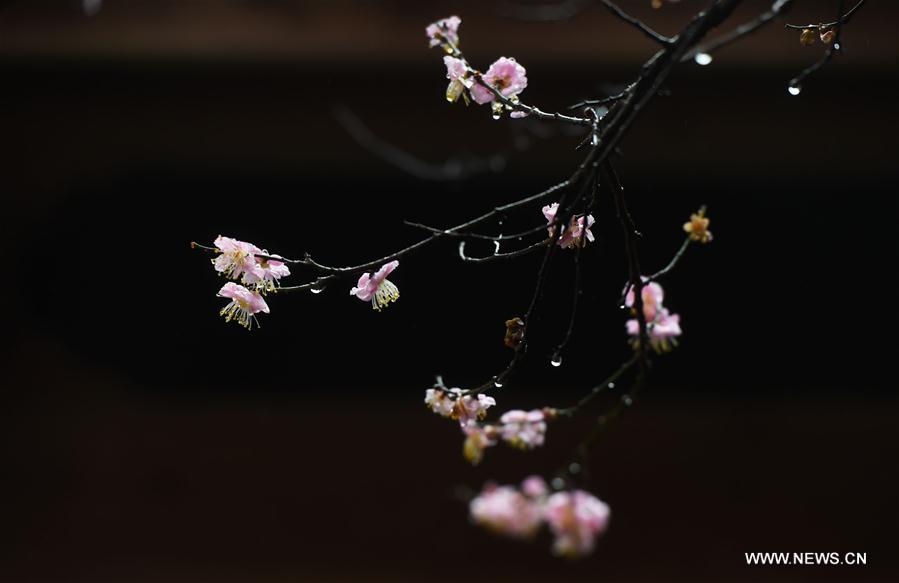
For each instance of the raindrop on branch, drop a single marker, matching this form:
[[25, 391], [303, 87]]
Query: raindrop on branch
[[794, 89], [627, 400], [318, 288], [556, 360], [703, 59], [497, 383]]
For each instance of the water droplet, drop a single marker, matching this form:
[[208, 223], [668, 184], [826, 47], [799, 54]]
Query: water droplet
[[836, 46], [622, 307], [497, 383], [794, 89], [496, 115], [627, 400], [557, 483], [556, 360], [611, 385], [318, 288], [574, 468], [703, 59]]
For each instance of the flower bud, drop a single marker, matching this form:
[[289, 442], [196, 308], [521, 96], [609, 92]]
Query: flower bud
[[807, 37], [828, 36]]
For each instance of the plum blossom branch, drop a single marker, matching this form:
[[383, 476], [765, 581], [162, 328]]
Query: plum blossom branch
[[574, 517]]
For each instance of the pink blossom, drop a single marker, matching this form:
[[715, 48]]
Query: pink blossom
[[577, 234], [453, 403], [523, 429], [535, 487], [572, 236], [549, 211], [576, 518], [662, 332], [377, 287], [504, 510], [439, 402], [244, 304], [477, 439], [456, 69], [652, 295], [268, 273], [448, 28], [506, 76], [237, 258], [457, 73], [470, 409]]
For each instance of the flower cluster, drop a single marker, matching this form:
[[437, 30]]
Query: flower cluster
[[377, 288], [662, 326], [520, 429], [574, 517], [258, 272], [505, 76], [577, 232]]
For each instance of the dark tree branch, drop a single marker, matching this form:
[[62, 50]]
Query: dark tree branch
[[637, 23], [499, 256], [778, 8], [452, 169], [838, 22], [836, 46]]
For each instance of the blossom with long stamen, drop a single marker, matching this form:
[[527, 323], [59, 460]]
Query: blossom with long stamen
[[377, 288], [269, 272], [244, 305], [444, 30], [576, 518], [505, 75], [237, 259]]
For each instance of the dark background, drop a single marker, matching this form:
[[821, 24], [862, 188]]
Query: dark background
[[147, 440]]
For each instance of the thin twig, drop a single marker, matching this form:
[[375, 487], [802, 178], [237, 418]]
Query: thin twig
[[778, 8], [500, 256], [637, 23], [839, 22]]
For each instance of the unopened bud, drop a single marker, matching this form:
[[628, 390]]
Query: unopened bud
[[514, 332], [656, 4], [828, 36], [807, 37]]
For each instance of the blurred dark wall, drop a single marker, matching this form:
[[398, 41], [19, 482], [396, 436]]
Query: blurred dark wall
[[148, 440]]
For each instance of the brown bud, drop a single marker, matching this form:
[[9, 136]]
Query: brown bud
[[656, 4], [514, 332], [807, 37], [828, 36]]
